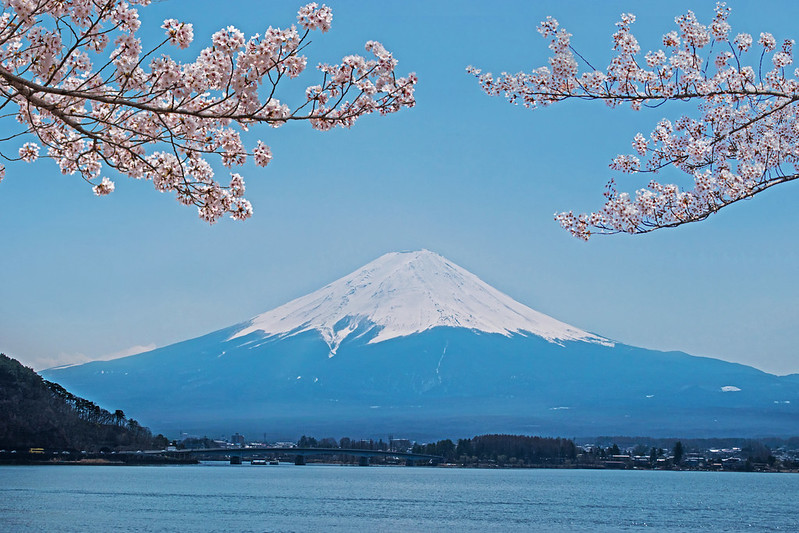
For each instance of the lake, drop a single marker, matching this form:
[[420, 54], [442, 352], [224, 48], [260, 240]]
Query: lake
[[246, 498]]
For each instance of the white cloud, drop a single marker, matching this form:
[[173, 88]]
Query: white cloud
[[133, 350], [71, 359]]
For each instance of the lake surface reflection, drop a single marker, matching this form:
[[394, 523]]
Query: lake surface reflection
[[221, 497]]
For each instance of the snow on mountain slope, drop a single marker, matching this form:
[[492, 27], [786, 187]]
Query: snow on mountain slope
[[403, 293]]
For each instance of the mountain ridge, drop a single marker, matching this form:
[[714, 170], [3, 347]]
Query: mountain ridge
[[340, 364], [402, 293], [37, 413]]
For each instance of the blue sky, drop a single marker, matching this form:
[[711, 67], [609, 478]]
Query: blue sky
[[470, 177]]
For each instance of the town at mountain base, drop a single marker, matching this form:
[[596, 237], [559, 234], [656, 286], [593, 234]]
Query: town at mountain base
[[412, 344]]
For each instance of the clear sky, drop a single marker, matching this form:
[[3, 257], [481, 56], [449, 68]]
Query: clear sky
[[470, 177]]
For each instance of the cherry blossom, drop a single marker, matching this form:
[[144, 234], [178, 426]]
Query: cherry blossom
[[741, 139], [148, 116], [106, 186], [29, 152]]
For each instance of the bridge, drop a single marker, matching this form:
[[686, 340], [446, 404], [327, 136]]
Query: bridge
[[301, 453]]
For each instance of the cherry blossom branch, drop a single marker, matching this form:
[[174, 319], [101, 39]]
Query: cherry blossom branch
[[150, 117], [745, 131]]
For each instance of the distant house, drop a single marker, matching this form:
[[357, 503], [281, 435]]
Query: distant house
[[694, 459], [619, 461]]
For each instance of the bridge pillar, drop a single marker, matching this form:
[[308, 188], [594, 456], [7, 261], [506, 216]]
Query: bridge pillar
[[363, 461], [299, 460], [235, 460], [409, 462]]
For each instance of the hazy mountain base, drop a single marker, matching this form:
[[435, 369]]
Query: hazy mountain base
[[442, 382]]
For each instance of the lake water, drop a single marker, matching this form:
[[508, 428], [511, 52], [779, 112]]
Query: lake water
[[221, 497]]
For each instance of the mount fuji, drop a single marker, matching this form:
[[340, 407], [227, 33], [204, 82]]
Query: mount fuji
[[413, 344]]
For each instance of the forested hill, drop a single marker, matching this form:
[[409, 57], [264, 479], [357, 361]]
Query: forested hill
[[36, 413]]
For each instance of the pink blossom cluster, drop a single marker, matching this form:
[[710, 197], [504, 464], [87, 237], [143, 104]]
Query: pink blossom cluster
[[742, 139], [359, 86], [151, 117], [313, 17]]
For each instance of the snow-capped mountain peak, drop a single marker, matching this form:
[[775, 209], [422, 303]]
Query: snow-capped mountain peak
[[403, 293]]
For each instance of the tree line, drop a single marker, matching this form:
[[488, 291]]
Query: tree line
[[504, 450], [511, 450], [344, 443], [35, 412]]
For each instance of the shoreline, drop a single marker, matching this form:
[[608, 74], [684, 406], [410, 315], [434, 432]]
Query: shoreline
[[170, 461]]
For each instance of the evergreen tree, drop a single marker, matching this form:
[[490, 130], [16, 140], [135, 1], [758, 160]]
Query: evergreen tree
[[677, 452]]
